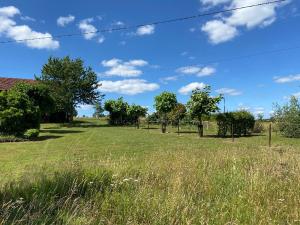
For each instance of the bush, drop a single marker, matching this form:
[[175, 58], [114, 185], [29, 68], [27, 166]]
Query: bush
[[287, 118], [242, 121], [17, 113], [31, 134]]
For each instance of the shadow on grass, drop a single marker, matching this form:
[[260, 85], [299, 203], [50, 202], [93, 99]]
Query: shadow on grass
[[59, 131], [150, 128], [47, 137], [43, 200]]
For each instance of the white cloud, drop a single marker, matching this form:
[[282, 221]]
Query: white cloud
[[214, 2], [101, 39], [199, 71], [85, 107], [128, 87], [165, 80], [226, 27], [27, 18], [145, 30], [229, 91], [122, 68], [219, 32], [65, 20], [118, 23], [287, 79], [9, 11], [87, 29], [10, 29], [190, 87]]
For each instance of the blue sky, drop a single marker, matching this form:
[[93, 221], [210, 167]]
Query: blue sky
[[140, 63]]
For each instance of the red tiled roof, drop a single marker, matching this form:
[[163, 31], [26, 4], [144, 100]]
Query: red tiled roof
[[8, 83]]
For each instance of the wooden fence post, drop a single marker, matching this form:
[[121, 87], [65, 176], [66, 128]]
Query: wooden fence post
[[232, 132], [270, 135]]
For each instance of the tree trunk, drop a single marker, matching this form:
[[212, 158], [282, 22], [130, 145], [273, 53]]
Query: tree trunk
[[164, 125], [200, 128], [137, 124]]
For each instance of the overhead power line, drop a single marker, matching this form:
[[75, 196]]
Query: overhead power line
[[173, 20]]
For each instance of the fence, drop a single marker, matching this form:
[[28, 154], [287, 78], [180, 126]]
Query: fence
[[211, 129]]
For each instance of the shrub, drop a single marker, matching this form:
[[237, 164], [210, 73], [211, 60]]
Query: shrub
[[287, 118], [242, 121], [31, 134], [17, 113]]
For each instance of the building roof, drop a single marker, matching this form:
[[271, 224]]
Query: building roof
[[8, 83]]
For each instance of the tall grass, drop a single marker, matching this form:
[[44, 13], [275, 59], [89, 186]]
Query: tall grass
[[233, 186]]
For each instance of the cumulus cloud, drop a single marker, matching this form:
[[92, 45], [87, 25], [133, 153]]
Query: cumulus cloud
[[145, 30], [65, 20], [128, 87], [287, 79], [195, 70], [166, 80], [219, 32], [229, 91], [227, 27], [88, 30], [190, 87], [10, 29], [122, 68]]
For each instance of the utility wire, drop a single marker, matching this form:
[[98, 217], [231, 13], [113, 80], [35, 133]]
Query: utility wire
[[173, 20]]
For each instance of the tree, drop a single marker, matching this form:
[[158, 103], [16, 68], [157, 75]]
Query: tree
[[200, 104], [178, 113], [98, 110], [71, 83], [287, 118], [134, 112], [117, 111], [39, 94], [17, 113], [164, 104]]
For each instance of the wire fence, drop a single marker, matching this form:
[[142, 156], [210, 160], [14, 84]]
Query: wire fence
[[210, 128]]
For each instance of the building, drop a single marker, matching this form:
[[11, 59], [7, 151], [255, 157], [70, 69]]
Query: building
[[8, 83]]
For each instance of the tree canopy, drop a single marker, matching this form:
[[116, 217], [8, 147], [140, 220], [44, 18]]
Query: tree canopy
[[201, 103], [70, 82], [287, 118]]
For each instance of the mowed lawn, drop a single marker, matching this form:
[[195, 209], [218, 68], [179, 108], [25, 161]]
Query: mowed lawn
[[91, 173]]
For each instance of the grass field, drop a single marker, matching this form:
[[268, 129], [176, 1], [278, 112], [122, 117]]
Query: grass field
[[91, 173]]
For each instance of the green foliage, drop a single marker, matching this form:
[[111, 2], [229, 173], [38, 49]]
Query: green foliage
[[31, 134], [178, 113], [117, 111], [164, 104], [200, 104], [287, 118], [121, 113], [153, 117], [134, 112], [242, 121], [98, 110], [39, 94], [17, 113], [71, 83]]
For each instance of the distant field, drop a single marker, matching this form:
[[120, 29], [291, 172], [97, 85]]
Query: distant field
[[91, 173]]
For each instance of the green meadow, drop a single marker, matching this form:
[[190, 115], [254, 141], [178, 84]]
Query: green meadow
[[92, 173]]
